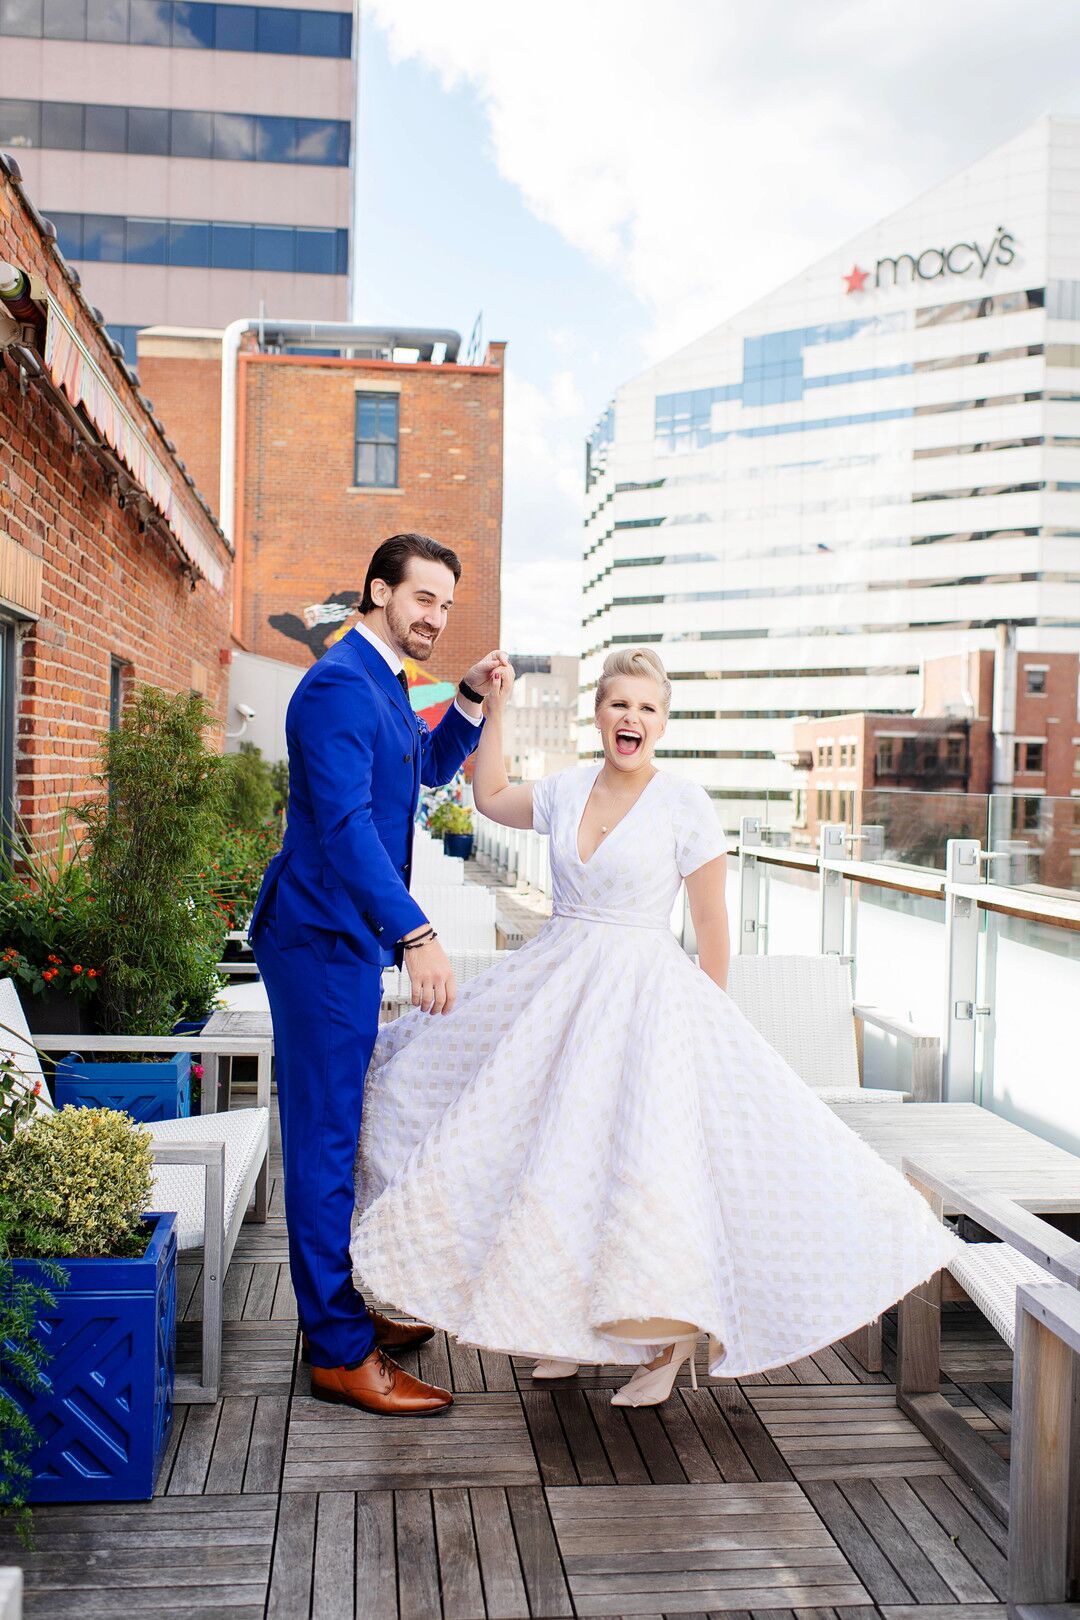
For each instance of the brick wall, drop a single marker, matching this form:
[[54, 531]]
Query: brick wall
[[107, 590], [183, 378]]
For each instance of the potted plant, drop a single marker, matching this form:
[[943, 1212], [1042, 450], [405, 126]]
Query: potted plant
[[74, 1190], [453, 822], [45, 919]]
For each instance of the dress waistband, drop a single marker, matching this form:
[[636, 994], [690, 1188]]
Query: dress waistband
[[614, 919]]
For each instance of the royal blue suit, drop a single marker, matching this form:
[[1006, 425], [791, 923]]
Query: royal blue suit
[[333, 905]]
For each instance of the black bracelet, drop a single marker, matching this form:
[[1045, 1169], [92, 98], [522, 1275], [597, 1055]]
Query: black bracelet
[[467, 692], [422, 939]]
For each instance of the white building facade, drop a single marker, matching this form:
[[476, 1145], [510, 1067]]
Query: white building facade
[[876, 464]]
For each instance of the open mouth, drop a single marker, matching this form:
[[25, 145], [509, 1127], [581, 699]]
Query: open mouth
[[424, 635], [628, 743]]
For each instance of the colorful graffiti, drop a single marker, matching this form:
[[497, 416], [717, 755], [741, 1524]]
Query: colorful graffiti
[[317, 627]]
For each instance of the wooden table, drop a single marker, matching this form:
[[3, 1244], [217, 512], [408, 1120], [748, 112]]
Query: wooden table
[[963, 1142], [215, 1097]]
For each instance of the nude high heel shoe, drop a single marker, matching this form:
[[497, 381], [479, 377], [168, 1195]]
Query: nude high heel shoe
[[650, 1386], [555, 1369]]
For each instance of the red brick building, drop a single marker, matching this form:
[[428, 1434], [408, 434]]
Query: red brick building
[[925, 776], [112, 567], [334, 454]]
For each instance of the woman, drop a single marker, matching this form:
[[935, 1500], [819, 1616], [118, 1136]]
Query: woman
[[595, 1157]]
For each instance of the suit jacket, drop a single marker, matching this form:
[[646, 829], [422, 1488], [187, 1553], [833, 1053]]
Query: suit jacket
[[357, 757]]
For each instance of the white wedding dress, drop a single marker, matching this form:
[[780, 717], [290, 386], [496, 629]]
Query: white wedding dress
[[596, 1134]]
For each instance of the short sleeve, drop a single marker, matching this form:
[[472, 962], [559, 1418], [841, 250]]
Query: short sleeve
[[699, 837], [543, 803]]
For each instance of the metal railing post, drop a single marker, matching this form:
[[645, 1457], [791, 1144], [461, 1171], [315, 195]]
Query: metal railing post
[[961, 972], [749, 887], [832, 846]]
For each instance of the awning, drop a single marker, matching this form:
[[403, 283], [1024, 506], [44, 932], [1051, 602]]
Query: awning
[[74, 369]]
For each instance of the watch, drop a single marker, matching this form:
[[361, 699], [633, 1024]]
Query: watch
[[467, 692]]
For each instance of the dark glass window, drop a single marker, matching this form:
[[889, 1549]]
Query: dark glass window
[[192, 134], [151, 22], [62, 125], [230, 247], [275, 140], [64, 19], [325, 33], [278, 31], [275, 248], [146, 240], [103, 238], [317, 140], [315, 252], [193, 26], [116, 693], [1036, 682], [235, 29], [106, 129], [376, 457], [107, 20], [148, 131], [189, 241], [234, 136], [21, 18], [69, 234], [20, 124]]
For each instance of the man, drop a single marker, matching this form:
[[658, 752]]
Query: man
[[334, 909]]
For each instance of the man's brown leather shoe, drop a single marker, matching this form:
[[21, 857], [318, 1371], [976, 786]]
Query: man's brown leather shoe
[[378, 1384], [389, 1335]]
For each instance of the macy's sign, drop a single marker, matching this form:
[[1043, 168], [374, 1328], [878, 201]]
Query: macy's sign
[[931, 263]]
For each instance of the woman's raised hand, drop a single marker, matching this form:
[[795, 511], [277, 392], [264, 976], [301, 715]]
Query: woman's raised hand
[[502, 684]]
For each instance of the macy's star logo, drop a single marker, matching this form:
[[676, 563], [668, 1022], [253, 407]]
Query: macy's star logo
[[857, 279]]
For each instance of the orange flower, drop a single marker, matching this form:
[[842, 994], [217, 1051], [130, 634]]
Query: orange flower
[[54, 959], [49, 973], [92, 974], [77, 968]]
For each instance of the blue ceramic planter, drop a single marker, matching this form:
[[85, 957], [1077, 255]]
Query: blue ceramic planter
[[458, 844], [104, 1417], [146, 1091]]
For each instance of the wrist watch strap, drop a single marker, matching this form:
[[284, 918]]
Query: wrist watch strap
[[467, 692]]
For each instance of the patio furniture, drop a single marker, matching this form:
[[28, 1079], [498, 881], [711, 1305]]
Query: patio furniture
[[1044, 1472], [1029, 1252], [803, 1005], [463, 914], [397, 986], [207, 1168]]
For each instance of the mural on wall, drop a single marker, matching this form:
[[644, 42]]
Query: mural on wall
[[317, 627]]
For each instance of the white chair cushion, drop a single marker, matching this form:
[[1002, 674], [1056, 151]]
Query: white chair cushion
[[865, 1094], [179, 1187], [991, 1273], [15, 1043], [803, 1007]]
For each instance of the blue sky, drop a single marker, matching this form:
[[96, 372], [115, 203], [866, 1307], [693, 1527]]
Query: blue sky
[[606, 179]]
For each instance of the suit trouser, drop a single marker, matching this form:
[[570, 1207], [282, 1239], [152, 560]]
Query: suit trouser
[[325, 1005]]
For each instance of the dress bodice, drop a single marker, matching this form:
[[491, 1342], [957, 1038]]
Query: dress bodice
[[634, 874]]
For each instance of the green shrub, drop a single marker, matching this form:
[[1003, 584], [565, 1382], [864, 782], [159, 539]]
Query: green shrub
[[450, 818], [156, 929], [46, 917], [75, 1184], [249, 791]]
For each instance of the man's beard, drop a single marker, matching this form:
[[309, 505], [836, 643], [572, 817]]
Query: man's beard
[[417, 647]]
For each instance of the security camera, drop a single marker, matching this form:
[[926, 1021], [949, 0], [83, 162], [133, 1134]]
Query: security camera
[[245, 711]]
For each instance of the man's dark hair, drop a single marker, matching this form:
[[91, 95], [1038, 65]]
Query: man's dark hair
[[391, 560]]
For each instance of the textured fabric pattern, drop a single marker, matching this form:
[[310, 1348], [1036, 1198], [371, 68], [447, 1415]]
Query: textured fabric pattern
[[991, 1273], [597, 1133], [803, 1007], [180, 1186]]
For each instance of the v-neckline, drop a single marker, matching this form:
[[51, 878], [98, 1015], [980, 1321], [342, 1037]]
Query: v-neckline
[[604, 841]]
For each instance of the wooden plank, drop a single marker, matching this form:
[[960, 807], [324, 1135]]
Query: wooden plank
[[686, 1442], [862, 1551], [459, 1568], [541, 1565], [465, 1372], [504, 1585], [920, 1576], [765, 1459], [333, 1574], [552, 1451], [498, 1371], [417, 1561], [229, 1459], [961, 1447], [188, 1477], [1041, 1463], [729, 1457], [294, 1550], [376, 1557], [625, 1459], [655, 1447], [965, 1583], [267, 1446], [583, 1442]]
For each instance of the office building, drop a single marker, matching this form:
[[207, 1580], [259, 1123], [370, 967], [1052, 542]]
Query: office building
[[194, 155], [873, 466], [540, 727]]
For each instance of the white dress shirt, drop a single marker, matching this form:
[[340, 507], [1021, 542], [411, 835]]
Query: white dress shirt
[[395, 664]]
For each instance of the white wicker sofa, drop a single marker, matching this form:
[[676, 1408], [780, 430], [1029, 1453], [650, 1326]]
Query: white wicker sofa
[[207, 1168], [803, 1005]]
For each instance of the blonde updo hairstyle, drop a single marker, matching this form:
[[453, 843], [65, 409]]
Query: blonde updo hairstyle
[[639, 662]]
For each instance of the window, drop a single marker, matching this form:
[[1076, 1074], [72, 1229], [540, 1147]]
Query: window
[[1076, 758], [824, 799], [62, 125], [1026, 813], [21, 18], [106, 129], [954, 753], [199, 242], [1029, 756], [108, 20], [376, 460], [843, 812], [1074, 863], [148, 131], [116, 693], [1036, 681], [20, 124], [188, 24], [886, 755], [1076, 812]]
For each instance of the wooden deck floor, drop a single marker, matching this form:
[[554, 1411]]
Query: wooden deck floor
[[803, 1495]]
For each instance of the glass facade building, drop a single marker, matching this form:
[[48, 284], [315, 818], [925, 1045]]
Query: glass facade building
[[140, 139], [876, 464]]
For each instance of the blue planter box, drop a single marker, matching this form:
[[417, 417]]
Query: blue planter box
[[458, 844], [146, 1091], [104, 1417]]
